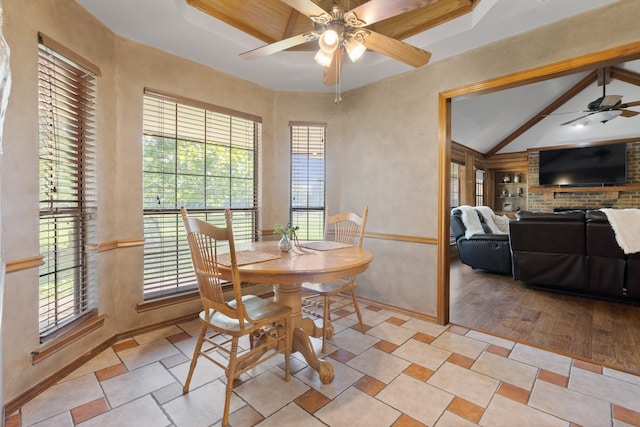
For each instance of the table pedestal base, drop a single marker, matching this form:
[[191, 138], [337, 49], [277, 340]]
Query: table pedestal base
[[302, 343], [303, 328]]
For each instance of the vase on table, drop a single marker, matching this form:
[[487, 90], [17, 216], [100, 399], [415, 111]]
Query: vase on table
[[284, 244]]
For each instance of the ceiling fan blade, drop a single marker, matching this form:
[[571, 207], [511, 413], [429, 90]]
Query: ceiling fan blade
[[565, 112], [378, 10], [397, 49], [576, 119], [306, 7], [631, 104], [331, 74], [280, 45], [629, 113]]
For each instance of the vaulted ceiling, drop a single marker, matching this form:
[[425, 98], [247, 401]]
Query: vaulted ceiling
[[533, 116]]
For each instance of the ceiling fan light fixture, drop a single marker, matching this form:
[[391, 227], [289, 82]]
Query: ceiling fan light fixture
[[354, 48], [605, 116], [323, 58], [329, 41]]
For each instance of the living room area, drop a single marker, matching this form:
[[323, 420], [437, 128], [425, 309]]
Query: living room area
[[558, 277]]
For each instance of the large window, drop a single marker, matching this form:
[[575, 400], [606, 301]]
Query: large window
[[202, 157], [307, 179], [66, 98]]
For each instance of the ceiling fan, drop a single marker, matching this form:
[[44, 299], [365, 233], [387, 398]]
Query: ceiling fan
[[339, 29], [605, 108]]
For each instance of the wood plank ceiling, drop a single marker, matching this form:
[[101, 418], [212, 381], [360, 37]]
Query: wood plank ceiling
[[273, 20]]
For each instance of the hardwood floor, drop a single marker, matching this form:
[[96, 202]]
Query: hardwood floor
[[603, 331]]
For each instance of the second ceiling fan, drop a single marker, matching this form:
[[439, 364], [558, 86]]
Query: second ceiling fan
[[605, 108], [338, 30]]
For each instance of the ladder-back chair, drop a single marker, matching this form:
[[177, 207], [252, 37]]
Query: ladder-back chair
[[346, 227], [224, 323]]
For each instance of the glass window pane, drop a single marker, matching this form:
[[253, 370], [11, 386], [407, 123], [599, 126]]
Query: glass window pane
[[202, 160], [308, 180], [67, 193]]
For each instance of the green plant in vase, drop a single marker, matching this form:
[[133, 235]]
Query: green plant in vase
[[287, 233]]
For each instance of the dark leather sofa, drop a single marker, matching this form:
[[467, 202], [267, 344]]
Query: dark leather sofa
[[572, 251], [606, 260], [488, 252]]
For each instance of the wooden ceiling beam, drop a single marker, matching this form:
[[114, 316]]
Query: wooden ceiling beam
[[579, 87], [625, 76]]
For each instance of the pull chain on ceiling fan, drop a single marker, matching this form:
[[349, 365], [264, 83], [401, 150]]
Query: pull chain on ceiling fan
[[341, 30]]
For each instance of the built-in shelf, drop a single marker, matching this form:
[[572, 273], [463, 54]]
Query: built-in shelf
[[509, 191]]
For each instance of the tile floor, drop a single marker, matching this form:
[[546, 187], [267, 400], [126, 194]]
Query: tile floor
[[402, 372]]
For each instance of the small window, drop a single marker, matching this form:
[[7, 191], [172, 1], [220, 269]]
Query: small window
[[479, 187], [308, 180], [455, 185]]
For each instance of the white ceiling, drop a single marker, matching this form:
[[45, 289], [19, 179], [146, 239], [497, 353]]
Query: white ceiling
[[175, 27], [482, 122]]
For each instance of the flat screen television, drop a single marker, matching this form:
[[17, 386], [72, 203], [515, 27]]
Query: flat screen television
[[585, 166]]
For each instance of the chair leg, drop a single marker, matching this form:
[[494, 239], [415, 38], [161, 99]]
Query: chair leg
[[231, 373], [355, 305], [194, 360], [326, 317], [287, 351]]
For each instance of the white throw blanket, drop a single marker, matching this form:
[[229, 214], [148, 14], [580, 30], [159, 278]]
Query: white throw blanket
[[626, 227], [490, 219], [470, 220]]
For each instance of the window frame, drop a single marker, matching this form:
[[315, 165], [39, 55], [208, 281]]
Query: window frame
[[479, 186], [455, 194], [194, 128], [67, 96], [307, 143]]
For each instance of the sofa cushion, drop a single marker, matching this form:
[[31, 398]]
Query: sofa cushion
[[552, 237], [550, 216], [601, 240]]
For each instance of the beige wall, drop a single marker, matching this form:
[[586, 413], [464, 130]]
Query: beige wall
[[382, 151], [126, 69], [393, 126]]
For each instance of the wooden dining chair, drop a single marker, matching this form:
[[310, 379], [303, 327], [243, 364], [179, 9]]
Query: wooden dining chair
[[346, 227], [224, 323]]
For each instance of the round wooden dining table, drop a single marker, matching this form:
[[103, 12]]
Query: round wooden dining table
[[287, 271]]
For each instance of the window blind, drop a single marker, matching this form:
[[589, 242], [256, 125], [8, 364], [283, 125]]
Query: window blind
[[67, 195], [454, 174], [198, 157], [479, 187], [308, 180]]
